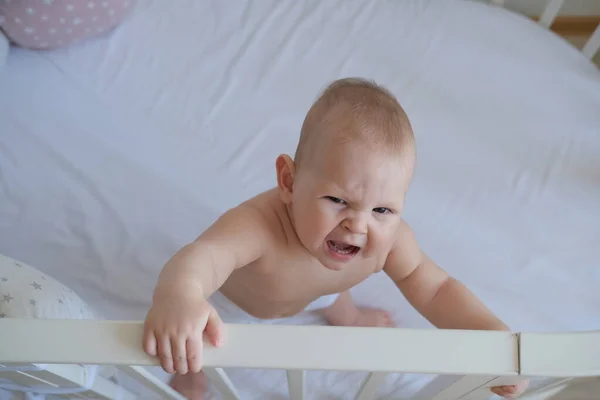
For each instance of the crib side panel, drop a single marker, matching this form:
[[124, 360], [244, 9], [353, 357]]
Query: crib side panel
[[593, 44], [575, 354], [427, 351]]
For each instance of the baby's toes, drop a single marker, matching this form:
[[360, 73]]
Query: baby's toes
[[389, 321], [374, 318], [384, 319]]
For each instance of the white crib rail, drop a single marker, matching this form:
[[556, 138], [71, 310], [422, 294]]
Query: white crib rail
[[591, 48], [467, 362], [290, 347], [560, 354], [480, 356], [550, 12]]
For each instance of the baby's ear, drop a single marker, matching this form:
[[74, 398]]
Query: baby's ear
[[285, 177]]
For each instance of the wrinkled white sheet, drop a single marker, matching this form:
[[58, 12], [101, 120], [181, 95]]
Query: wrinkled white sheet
[[116, 152]]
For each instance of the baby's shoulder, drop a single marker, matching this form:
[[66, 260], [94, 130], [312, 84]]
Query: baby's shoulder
[[405, 240], [262, 212]]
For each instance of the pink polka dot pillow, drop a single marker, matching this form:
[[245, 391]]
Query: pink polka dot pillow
[[45, 24]]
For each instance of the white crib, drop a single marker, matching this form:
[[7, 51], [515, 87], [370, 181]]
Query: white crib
[[51, 354], [467, 362]]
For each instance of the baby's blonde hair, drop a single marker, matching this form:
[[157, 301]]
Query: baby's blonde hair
[[356, 109]]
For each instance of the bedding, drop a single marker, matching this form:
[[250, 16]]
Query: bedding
[[118, 151], [26, 292]]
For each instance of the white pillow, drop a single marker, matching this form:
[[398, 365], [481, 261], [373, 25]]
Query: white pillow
[[26, 292]]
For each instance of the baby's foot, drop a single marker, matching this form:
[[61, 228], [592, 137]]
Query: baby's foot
[[345, 313], [359, 316], [373, 317], [190, 385]]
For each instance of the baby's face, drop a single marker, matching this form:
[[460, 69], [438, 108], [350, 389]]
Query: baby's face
[[347, 206]]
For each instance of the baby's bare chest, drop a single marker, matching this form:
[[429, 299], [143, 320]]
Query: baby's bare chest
[[308, 278], [282, 284]]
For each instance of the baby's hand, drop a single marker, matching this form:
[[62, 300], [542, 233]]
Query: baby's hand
[[510, 391], [174, 329]]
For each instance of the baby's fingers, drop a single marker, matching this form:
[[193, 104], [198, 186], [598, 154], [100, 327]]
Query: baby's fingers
[[165, 354], [214, 328], [389, 320], [150, 343], [178, 346], [194, 354]]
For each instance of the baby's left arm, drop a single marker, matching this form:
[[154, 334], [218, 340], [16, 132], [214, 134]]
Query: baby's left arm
[[443, 300]]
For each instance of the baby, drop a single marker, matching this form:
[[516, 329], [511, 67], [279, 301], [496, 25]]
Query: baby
[[334, 219]]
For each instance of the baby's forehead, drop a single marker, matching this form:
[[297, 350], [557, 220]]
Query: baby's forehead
[[362, 156], [377, 178]]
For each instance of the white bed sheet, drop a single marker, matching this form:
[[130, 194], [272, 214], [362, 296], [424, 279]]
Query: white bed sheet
[[118, 151]]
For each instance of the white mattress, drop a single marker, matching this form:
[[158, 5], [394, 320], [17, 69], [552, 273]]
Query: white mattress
[[116, 152]]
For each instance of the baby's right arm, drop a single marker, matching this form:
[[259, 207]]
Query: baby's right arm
[[180, 312]]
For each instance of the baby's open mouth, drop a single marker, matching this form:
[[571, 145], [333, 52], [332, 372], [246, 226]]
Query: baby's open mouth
[[342, 248]]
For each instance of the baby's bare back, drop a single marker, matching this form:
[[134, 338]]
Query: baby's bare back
[[287, 278]]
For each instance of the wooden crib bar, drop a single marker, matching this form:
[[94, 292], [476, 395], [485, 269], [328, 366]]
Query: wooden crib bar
[[468, 362], [548, 15], [151, 382], [593, 44], [547, 18], [427, 351], [370, 386], [574, 354], [296, 384], [293, 348], [67, 377], [219, 378], [550, 12]]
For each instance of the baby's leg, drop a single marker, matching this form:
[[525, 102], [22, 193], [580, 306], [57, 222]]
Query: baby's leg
[[345, 313]]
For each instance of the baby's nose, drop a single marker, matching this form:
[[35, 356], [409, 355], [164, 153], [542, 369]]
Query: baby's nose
[[356, 224]]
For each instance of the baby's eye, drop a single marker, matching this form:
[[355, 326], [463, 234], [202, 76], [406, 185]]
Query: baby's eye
[[335, 200], [382, 210]]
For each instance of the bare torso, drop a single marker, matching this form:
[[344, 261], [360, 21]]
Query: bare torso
[[287, 279]]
